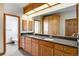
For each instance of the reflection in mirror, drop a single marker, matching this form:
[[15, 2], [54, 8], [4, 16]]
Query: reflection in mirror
[[59, 23], [71, 27], [37, 26]]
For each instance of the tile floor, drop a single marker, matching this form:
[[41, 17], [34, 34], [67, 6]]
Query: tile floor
[[12, 50]]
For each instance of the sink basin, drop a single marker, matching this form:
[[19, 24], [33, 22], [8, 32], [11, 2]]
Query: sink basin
[[48, 39]]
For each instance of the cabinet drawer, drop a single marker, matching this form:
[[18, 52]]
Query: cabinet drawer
[[58, 47], [34, 40], [70, 50], [37, 41], [49, 44]]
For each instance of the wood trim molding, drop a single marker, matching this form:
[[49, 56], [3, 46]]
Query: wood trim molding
[[31, 6], [5, 30], [77, 15], [42, 9]]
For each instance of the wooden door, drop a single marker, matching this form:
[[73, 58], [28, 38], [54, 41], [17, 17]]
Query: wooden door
[[71, 27]]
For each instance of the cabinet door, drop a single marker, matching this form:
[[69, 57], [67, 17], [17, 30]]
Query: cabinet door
[[51, 25], [64, 50], [28, 45], [45, 25], [71, 50], [45, 51], [34, 47], [58, 52], [54, 22], [71, 27], [20, 43]]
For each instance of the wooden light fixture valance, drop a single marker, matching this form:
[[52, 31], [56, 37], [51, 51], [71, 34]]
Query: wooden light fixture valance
[[32, 6]]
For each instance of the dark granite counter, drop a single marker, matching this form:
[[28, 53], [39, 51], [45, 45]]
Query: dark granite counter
[[50, 36], [71, 41]]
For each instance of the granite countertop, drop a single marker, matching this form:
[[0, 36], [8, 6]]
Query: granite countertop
[[51, 36], [70, 41]]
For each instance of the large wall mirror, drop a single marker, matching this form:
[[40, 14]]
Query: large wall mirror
[[62, 22]]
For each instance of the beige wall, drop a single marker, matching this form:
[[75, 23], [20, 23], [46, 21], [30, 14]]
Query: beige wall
[[1, 27], [14, 10], [11, 9]]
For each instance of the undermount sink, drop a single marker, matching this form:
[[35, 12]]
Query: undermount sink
[[48, 39]]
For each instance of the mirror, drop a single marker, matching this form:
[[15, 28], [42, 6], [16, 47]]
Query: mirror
[[37, 26], [59, 23]]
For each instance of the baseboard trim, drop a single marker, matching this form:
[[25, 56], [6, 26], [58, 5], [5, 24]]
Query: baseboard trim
[[24, 51], [2, 53]]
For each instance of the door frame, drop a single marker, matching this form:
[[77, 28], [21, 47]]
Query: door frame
[[6, 14]]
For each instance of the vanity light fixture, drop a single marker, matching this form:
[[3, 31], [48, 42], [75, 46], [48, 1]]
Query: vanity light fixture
[[41, 7], [46, 5], [24, 17], [51, 4], [30, 12]]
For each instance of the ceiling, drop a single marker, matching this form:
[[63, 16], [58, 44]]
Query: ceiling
[[21, 4], [14, 8], [18, 4]]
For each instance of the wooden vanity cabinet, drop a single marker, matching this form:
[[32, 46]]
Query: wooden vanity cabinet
[[45, 48], [62, 50], [58, 52], [38, 47], [20, 42], [34, 47], [28, 44]]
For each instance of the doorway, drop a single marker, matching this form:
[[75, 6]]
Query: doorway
[[11, 30]]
